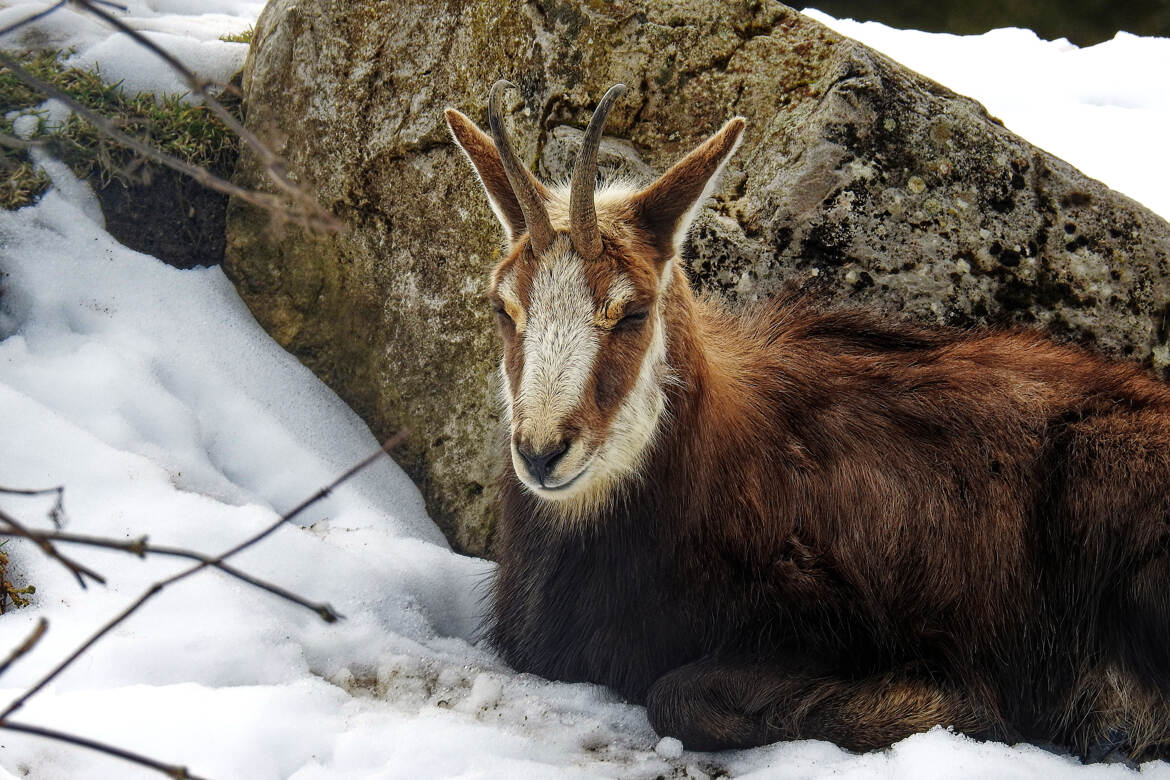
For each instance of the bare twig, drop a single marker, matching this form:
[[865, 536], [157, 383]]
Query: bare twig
[[141, 548], [12, 142], [80, 571], [273, 165], [157, 587], [24, 647], [170, 770], [41, 14], [311, 216], [56, 512]]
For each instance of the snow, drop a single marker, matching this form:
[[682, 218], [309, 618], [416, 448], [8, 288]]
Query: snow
[[155, 398]]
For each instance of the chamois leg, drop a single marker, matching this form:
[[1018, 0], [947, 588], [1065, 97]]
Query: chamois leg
[[714, 704]]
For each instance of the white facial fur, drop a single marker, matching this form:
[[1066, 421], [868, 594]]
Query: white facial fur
[[560, 348]]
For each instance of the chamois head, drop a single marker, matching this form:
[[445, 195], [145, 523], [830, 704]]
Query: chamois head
[[581, 300]]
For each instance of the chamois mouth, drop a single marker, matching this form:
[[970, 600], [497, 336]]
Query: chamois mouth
[[565, 485], [558, 490]]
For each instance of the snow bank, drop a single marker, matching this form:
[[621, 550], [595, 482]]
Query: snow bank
[[188, 29], [156, 399]]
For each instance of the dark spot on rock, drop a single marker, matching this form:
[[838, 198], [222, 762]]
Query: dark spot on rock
[[783, 240], [1070, 228], [1076, 243], [1010, 258], [995, 249], [1076, 199], [1022, 298], [1002, 205], [1018, 182], [825, 245], [863, 280]]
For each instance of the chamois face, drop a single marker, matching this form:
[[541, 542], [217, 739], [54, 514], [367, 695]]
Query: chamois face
[[584, 356], [581, 305]]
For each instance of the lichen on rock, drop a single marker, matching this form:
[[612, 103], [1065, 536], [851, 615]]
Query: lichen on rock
[[855, 174]]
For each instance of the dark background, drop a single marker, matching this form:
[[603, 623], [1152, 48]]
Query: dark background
[[1084, 22]]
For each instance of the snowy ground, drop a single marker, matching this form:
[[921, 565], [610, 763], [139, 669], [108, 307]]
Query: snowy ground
[[156, 399]]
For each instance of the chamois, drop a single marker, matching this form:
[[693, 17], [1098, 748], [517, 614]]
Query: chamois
[[798, 521]]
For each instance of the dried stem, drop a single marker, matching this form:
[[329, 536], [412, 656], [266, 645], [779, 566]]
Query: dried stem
[[78, 570], [170, 770], [157, 587], [301, 212], [57, 512], [41, 14], [273, 165], [24, 647], [141, 548], [300, 207]]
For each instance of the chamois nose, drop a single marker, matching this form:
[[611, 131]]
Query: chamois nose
[[541, 463]]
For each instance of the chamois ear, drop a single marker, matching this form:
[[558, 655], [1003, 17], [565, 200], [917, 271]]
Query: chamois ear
[[665, 208], [481, 151]]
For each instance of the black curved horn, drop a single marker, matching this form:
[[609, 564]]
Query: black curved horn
[[523, 186], [582, 210]]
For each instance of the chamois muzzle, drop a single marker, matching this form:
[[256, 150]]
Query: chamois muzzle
[[540, 464]]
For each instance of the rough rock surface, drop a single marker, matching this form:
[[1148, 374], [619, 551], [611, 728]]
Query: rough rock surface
[[856, 175]]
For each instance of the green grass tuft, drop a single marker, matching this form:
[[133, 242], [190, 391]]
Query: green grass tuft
[[243, 37], [190, 132]]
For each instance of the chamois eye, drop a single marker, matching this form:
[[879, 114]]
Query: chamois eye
[[631, 321], [502, 313]]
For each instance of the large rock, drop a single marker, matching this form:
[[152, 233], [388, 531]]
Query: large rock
[[857, 175]]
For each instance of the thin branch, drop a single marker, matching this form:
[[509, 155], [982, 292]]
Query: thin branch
[[157, 587], [304, 210], [33, 18], [273, 165], [12, 142], [170, 770], [24, 647], [387, 447], [141, 548], [59, 491], [78, 570], [57, 512]]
